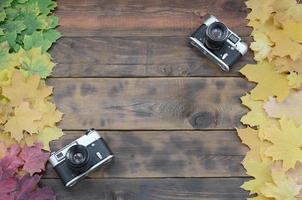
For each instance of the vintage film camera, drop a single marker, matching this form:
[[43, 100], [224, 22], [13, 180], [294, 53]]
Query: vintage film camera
[[79, 158], [218, 43]]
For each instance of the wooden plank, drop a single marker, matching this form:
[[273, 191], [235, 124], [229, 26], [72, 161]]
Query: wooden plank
[[152, 189], [134, 57], [150, 103], [167, 154], [143, 17]]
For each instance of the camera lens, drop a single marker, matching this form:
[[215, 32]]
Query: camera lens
[[216, 35], [78, 158]]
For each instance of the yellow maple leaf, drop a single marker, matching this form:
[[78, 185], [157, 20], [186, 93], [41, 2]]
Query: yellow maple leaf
[[262, 46], [6, 139], [286, 144], [50, 116], [293, 30], [257, 116], [265, 28], [282, 187], [285, 64], [5, 112], [25, 89], [23, 120], [284, 45], [294, 80], [260, 10], [270, 82], [261, 171], [6, 76], [49, 134], [291, 107], [257, 147], [283, 5], [260, 197]]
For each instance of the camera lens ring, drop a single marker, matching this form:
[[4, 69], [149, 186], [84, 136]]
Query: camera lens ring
[[78, 157], [216, 35]]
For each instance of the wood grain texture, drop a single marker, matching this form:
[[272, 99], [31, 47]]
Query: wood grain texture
[[167, 154], [150, 103], [152, 189], [146, 18], [135, 57]]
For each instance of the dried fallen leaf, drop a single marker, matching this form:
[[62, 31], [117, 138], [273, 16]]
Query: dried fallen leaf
[[23, 120], [294, 80], [25, 89], [291, 107], [257, 147], [49, 134], [270, 82], [282, 187], [286, 144], [34, 158], [262, 46], [261, 171]]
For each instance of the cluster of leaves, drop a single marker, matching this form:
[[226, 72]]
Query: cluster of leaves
[[18, 173], [27, 24], [26, 114], [274, 131], [27, 117]]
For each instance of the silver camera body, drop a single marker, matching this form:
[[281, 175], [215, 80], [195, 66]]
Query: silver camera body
[[81, 157], [218, 43]]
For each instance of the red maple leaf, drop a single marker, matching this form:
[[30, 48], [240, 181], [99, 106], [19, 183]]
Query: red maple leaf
[[34, 158]]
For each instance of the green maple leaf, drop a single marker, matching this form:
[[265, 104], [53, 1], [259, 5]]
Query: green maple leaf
[[13, 26], [31, 22], [29, 7], [46, 6], [11, 29], [35, 61], [49, 21], [2, 14], [7, 60], [41, 39], [5, 3]]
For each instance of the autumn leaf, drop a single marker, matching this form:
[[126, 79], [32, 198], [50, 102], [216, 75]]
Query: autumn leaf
[[294, 80], [291, 107], [285, 64], [49, 134], [260, 11], [286, 144], [7, 60], [23, 120], [35, 62], [27, 188], [25, 89], [6, 77], [257, 147], [41, 39], [261, 171], [34, 158], [50, 115], [264, 74], [262, 46], [284, 45], [257, 116], [282, 187]]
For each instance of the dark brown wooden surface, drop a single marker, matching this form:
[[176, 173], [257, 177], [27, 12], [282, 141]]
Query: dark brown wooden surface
[[125, 68]]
